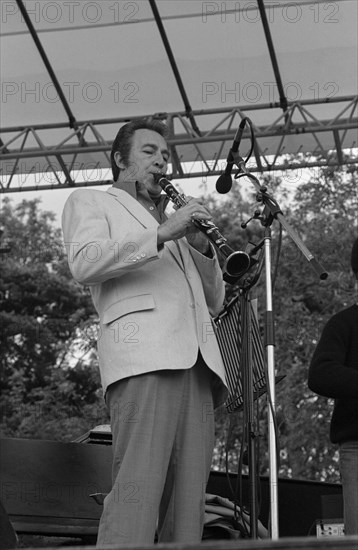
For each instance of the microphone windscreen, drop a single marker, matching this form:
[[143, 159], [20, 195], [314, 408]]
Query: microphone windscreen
[[224, 183]]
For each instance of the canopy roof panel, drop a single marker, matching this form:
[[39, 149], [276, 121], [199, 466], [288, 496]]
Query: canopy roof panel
[[74, 71]]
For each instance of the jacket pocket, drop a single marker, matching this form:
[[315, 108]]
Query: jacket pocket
[[131, 304]]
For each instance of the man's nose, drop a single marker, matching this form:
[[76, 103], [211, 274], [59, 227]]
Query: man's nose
[[160, 160]]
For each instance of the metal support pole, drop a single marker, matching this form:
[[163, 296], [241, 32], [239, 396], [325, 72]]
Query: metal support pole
[[272, 436]]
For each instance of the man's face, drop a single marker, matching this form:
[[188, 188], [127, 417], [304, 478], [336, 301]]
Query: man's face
[[149, 154]]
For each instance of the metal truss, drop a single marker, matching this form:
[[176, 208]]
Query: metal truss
[[293, 135], [296, 138]]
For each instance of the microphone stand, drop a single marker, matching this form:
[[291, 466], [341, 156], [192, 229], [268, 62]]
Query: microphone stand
[[271, 212]]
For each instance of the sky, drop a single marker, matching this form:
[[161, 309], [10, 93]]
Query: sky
[[54, 199], [315, 43]]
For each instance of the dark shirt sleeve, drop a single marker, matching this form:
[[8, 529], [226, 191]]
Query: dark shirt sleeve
[[333, 371]]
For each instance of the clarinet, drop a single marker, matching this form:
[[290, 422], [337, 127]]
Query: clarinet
[[236, 263]]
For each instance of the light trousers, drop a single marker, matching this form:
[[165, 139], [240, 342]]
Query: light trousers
[[348, 465], [163, 436]]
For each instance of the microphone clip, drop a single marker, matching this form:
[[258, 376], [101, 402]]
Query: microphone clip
[[241, 165]]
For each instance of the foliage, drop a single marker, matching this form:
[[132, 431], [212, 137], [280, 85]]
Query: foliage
[[42, 314], [326, 209], [50, 385], [323, 213]]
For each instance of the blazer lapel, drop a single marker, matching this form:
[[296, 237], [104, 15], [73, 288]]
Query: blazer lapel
[[172, 246], [133, 207], [145, 219], [185, 251]]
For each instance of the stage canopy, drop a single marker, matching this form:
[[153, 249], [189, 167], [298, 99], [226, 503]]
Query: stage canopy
[[74, 71]]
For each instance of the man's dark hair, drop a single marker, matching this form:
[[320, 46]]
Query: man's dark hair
[[354, 258], [124, 138]]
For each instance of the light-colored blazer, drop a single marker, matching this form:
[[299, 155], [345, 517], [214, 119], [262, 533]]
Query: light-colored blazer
[[154, 307]]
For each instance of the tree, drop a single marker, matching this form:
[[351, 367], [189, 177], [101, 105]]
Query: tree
[[323, 212], [50, 385], [43, 312]]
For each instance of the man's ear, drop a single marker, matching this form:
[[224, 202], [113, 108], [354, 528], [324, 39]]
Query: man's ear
[[118, 160]]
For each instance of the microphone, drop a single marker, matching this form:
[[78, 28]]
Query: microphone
[[224, 182]]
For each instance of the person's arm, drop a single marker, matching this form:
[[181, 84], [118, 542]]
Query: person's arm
[[212, 279], [180, 224], [94, 255], [328, 374]]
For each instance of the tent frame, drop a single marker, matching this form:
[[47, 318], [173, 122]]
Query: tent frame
[[64, 160], [61, 160]]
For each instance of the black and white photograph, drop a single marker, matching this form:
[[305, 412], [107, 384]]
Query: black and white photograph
[[179, 274]]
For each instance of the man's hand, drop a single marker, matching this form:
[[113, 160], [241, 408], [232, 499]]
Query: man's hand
[[180, 224]]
